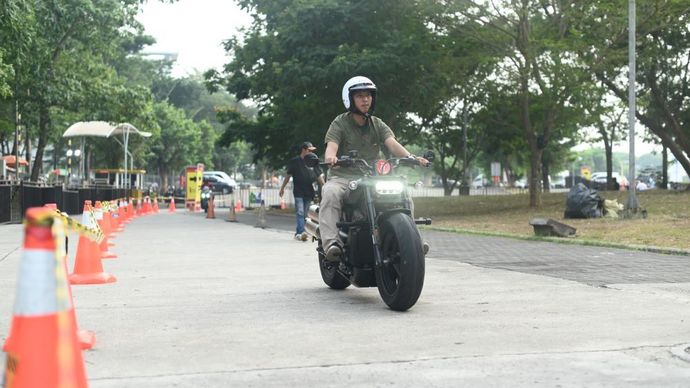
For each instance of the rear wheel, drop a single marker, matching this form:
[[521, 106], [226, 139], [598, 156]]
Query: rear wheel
[[329, 273], [401, 278]]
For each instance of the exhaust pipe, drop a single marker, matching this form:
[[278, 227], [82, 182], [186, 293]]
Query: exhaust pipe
[[313, 213], [312, 228]]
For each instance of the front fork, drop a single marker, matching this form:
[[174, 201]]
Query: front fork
[[371, 213]]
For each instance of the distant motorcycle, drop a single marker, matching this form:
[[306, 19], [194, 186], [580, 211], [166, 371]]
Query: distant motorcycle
[[206, 195], [382, 246]]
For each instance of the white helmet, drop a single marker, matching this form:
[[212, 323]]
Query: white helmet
[[355, 84]]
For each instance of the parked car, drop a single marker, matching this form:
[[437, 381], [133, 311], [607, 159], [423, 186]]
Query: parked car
[[223, 176], [436, 181], [599, 178], [218, 185], [558, 182], [479, 182], [521, 183]]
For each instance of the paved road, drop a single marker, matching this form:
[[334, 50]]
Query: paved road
[[212, 303]]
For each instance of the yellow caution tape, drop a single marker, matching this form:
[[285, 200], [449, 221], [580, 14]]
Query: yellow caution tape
[[94, 233], [108, 205]]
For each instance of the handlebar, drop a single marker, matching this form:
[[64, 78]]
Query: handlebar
[[353, 162]]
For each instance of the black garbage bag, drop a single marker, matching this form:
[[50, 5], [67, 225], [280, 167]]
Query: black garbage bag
[[583, 202]]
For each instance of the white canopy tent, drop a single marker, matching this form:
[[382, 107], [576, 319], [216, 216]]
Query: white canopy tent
[[104, 129]]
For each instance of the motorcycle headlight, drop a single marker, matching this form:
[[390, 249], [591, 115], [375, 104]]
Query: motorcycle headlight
[[389, 187]]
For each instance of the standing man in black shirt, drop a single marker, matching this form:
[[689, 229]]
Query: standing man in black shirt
[[303, 178]]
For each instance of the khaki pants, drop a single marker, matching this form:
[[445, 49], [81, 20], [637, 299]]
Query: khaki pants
[[333, 194]]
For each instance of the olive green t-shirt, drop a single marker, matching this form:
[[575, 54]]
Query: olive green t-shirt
[[367, 140]]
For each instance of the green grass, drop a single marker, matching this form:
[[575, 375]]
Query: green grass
[[667, 225]]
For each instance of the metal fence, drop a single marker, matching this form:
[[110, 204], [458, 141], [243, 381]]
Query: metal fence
[[6, 200], [16, 197], [252, 197]]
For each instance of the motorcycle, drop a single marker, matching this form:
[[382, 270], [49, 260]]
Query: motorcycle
[[382, 246], [205, 196]]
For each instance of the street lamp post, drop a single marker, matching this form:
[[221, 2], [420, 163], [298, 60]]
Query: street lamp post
[[631, 205]]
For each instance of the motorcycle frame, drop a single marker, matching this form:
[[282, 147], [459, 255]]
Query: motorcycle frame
[[374, 217]]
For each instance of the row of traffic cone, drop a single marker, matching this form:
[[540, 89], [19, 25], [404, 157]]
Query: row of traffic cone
[[44, 344]]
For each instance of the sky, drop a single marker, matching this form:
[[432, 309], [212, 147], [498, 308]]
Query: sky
[[194, 29]]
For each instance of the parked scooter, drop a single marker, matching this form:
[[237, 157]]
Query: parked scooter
[[382, 246]]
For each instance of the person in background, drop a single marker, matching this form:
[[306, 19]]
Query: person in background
[[303, 179]]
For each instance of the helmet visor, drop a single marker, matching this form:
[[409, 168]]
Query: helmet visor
[[362, 86]]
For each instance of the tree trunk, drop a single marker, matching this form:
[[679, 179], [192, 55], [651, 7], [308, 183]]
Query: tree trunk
[[545, 171], [535, 151], [608, 150], [27, 150], [43, 125], [534, 187], [667, 140]]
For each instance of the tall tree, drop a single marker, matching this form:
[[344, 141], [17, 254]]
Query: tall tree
[[175, 145], [68, 38], [297, 54], [537, 66]]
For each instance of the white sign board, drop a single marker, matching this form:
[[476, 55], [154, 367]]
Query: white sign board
[[495, 169]]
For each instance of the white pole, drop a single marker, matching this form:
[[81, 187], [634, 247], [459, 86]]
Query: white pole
[[632, 203], [126, 139]]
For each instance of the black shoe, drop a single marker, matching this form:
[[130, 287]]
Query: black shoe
[[334, 253]]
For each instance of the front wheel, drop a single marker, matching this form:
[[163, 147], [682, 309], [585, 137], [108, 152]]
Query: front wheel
[[401, 277]]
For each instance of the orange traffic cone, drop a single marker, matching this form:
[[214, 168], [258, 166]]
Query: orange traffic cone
[[210, 211], [171, 206], [238, 206], [42, 348], [103, 246], [130, 209], [109, 224], [155, 205], [88, 268], [85, 338]]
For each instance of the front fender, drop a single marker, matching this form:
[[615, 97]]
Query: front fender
[[387, 213]]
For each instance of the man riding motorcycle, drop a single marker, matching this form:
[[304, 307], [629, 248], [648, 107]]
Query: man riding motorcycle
[[357, 129]]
